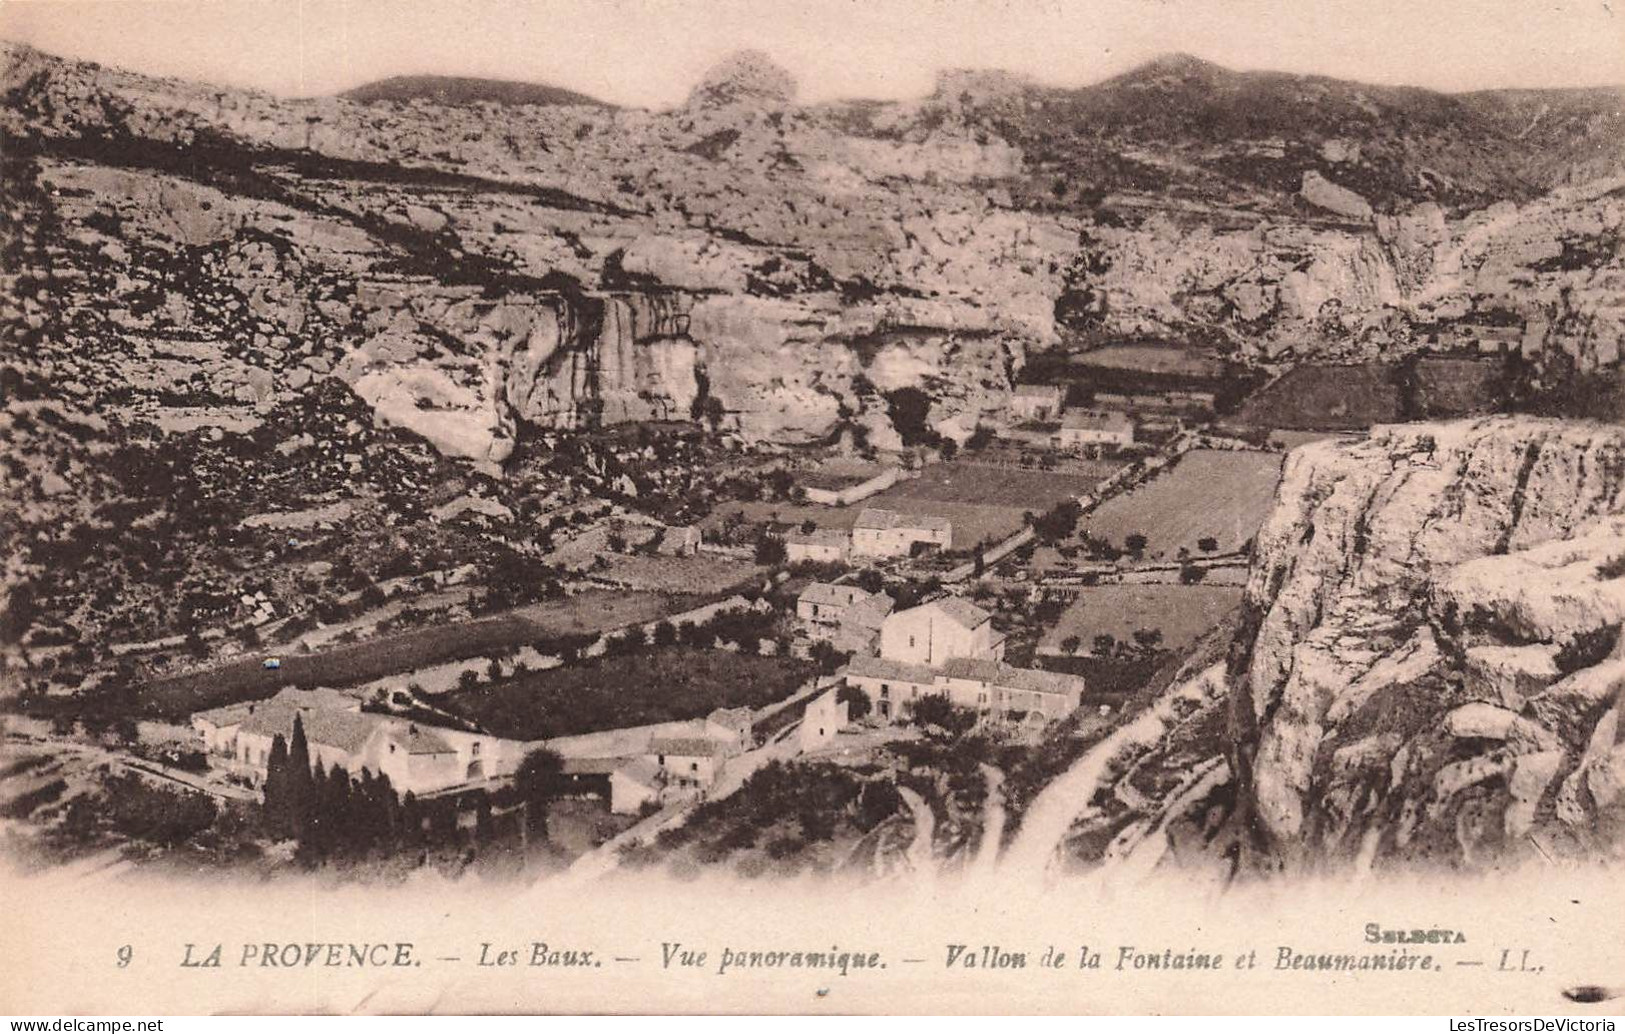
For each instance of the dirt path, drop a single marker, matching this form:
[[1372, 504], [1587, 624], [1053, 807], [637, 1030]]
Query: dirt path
[[919, 854], [1068, 798], [993, 819]]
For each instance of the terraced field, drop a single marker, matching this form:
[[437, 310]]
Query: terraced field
[[1209, 493]]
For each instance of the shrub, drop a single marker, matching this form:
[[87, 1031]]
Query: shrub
[[1587, 649]]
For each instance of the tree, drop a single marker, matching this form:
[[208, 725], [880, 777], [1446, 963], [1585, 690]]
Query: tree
[[468, 679], [909, 408], [770, 550], [1104, 645], [1071, 644], [301, 791], [1135, 543], [1148, 639], [1059, 522], [877, 802], [278, 806], [936, 713], [856, 701], [539, 780], [1190, 574], [980, 438], [1207, 544], [665, 634]]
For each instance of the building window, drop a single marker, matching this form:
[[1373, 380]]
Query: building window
[[885, 691], [475, 750], [911, 642], [693, 766]]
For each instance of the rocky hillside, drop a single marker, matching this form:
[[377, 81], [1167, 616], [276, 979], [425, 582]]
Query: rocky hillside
[[1429, 669], [471, 264], [463, 91], [1436, 669]]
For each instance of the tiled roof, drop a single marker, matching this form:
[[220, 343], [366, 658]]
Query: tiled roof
[[868, 613], [875, 519], [881, 668], [346, 730], [831, 595], [1093, 420], [1004, 676], [289, 698], [641, 771], [1037, 390], [687, 747], [818, 537], [591, 766], [961, 611], [330, 718]]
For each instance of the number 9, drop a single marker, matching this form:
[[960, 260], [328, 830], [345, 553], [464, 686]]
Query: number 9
[[125, 954]]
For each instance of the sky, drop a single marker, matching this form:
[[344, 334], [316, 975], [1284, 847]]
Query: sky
[[650, 52]]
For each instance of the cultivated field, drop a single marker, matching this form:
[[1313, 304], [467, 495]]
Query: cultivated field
[[403, 652], [1152, 359], [984, 501], [1180, 612], [1326, 397], [1208, 493], [660, 685]]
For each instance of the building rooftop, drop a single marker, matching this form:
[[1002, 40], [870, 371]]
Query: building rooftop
[[881, 668], [1095, 420], [1036, 391], [830, 594], [868, 613], [875, 519], [960, 611], [1003, 676], [817, 537], [687, 747], [330, 718]]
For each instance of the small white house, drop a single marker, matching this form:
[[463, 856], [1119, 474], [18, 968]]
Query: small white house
[[689, 762], [933, 632], [822, 545], [1083, 429], [824, 717], [1036, 402], [883, 533]]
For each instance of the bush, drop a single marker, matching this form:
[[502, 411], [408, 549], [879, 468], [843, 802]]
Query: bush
[[1587, 649], [154, 814]]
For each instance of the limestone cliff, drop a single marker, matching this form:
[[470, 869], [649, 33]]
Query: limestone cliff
[[1430, 666], [471, 268]]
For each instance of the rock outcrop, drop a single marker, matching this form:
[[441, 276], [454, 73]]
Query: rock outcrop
[[1431, 668], [474, 269]]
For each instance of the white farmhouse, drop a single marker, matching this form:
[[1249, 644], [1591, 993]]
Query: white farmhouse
[[421, 758], [821, 545], [933, 632], [881, 533], [1036, 402], [1084, 429]]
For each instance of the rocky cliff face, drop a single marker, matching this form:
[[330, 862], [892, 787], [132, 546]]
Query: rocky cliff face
[[474, 267], [1427, 670], [1431, 667]]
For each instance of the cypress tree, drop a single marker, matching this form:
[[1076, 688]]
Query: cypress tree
[[278, 820], [390, 813], [412, 820], [343, 837], [301, 786]]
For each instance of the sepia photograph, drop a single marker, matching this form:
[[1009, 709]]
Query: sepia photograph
[[708, 506]]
